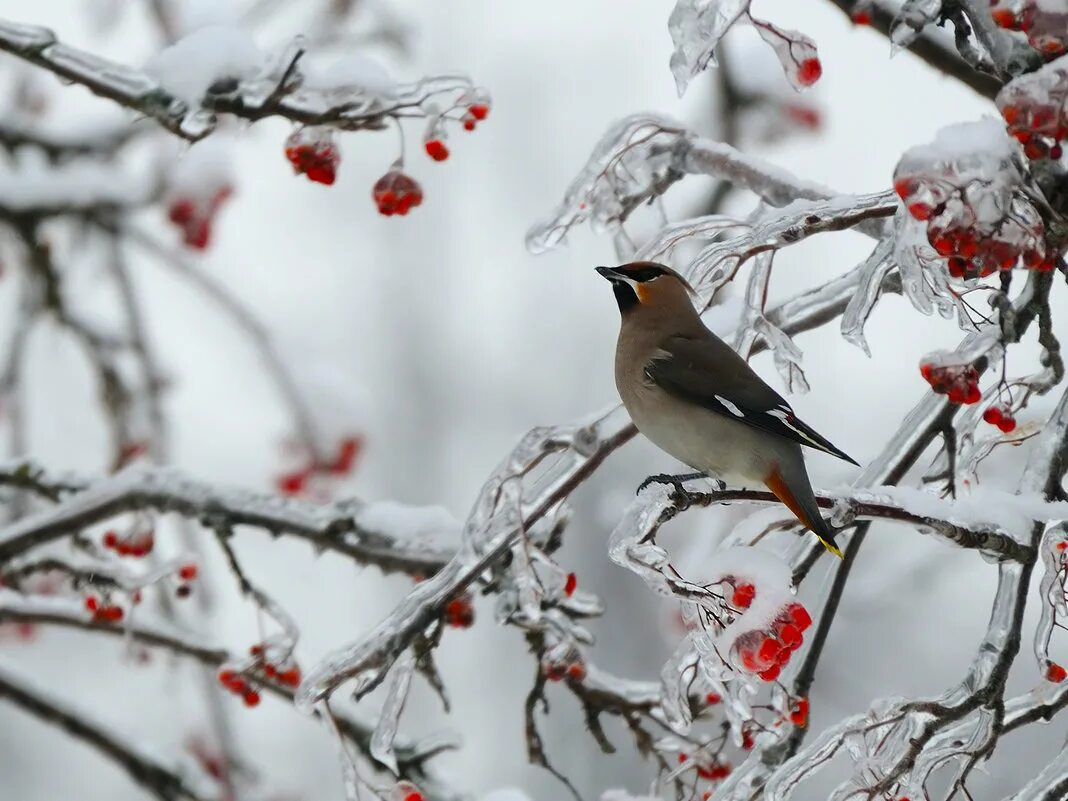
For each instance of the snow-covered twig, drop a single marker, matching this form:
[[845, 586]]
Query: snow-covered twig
[[333, 527], [276, 91]]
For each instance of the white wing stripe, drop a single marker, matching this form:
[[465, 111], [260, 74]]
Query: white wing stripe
[[730, 407]]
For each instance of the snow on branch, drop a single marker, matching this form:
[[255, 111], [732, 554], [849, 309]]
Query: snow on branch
[[218, 71], [398, 546]]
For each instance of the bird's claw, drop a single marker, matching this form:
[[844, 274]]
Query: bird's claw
[[676, 482]]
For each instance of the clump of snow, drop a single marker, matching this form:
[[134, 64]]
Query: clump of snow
[[985, 138], [353, 70], [409, 522], [191, 65]]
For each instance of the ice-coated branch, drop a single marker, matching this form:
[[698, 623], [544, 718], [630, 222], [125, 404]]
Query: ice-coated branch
[[334, 527], [277, 90], [950, 522], [928, 47], [162, 782]]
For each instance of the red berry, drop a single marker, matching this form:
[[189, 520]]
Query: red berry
[[1056, 673], [769, 650], [861, 18], [436, 149], [555, 672], [187, 572], [576, 671], [252, 698], [92, 604], [992, 415], [469, 123], [771, 673], [1007, 423], [479, 110], [743, 596], [111, 539], [290, 677], [570, 585], [413, 797], [1060, 546], [799, 615], [790, 635], [1056, 152], [799, 712], [747, 740], [809, 71], [713, 698]]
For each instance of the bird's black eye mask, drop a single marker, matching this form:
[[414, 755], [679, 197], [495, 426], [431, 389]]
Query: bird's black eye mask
[[643, 274], [626, 297]]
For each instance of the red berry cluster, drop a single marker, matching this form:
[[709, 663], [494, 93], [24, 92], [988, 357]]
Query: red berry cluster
[[297, 481], [238, 685], [1046, 29], [476, 112], [312, 152], [1055, 673], [194, 216], [396, 193], [103, 612], [569, 666], [460, 612], [766, 652], [286, 672], [137, 545], [974, 246], [958, 381], [709, 768], [743, 595], [1035, 109], [1000, 415]]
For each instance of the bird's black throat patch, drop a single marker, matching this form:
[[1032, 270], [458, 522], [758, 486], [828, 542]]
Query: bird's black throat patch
[[626, 297]]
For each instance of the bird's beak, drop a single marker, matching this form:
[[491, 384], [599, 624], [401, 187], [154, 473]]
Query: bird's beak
[[609, 273]]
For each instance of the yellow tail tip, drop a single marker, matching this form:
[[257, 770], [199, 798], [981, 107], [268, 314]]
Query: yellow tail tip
[[830, 546]]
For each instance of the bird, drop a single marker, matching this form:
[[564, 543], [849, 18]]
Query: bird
[[694, 397]]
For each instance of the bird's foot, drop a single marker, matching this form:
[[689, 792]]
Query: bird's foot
[[676, 482]]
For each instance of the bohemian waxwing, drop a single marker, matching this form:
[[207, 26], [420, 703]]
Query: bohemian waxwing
[[696, 398]]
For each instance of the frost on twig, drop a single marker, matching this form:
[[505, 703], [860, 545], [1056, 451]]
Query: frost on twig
[[218, 71], [633, 162], [698, 26]]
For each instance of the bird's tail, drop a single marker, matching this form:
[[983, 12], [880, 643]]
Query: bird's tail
[[792, 487]]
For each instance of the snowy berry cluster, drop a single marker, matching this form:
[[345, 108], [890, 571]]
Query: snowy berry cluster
[[766, 651], [1035, 109], [709, 768], [312, 152], [563, 661], [300, 480], [194, 215], [1045, 24], [396, 193], [966, 187], [137, 544], [102, 611], [960, 382]]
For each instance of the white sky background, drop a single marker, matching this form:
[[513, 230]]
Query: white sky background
[[447, 341]]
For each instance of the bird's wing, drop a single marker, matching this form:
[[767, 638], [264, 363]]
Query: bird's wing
[[707, 372]]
